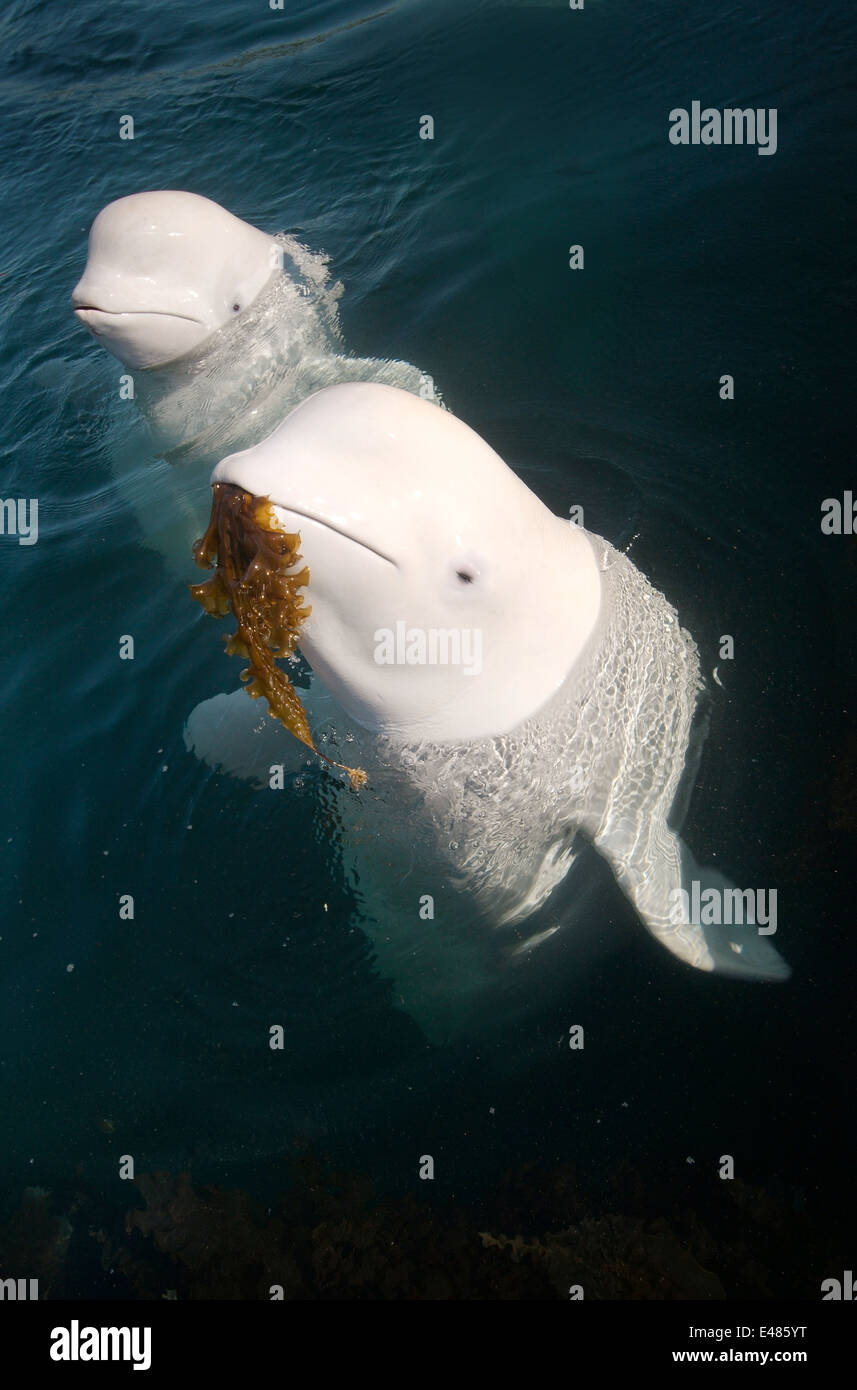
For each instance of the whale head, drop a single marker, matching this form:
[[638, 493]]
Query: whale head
[[447, 602], [165, 270]]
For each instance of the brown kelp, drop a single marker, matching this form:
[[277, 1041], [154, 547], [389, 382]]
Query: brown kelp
[[256, 577]]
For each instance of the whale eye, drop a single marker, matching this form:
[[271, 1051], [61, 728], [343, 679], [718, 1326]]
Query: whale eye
[[236, 308], [465, 569], [465, 572]]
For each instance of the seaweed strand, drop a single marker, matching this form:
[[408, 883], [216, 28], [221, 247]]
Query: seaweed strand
[[255, 577]]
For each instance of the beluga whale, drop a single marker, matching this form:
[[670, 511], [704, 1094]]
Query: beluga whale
[[221, 329], [510, 685]]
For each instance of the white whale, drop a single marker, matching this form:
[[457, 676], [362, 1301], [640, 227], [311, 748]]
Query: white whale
[[577, 722], [165, 270], [223, 329]]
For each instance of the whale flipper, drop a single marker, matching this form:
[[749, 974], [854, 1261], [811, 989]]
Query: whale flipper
[[652, 867], [234, 734], [735, 949]]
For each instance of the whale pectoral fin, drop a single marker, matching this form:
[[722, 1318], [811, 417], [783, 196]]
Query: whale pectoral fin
[[649, 872], [231, 733], [550, 872], [740, 949], [652, 871], [234, 734]]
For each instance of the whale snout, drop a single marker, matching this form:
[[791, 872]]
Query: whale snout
[[92, 317], [89, 315], [81, 297], [139, 335], [80, 303], [84, 307]]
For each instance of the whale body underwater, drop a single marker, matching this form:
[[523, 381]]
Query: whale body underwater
[[221, 330], [484, 778]]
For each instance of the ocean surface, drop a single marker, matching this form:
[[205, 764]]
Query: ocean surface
[[601, 388]]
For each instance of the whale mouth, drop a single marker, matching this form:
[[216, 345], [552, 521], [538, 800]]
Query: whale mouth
[[338, 530], [132, 313], [256, 577]]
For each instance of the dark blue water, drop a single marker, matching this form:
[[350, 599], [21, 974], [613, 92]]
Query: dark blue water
[[601, 388]]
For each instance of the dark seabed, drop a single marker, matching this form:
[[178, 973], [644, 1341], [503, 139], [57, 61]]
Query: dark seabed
[[601, 388]]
